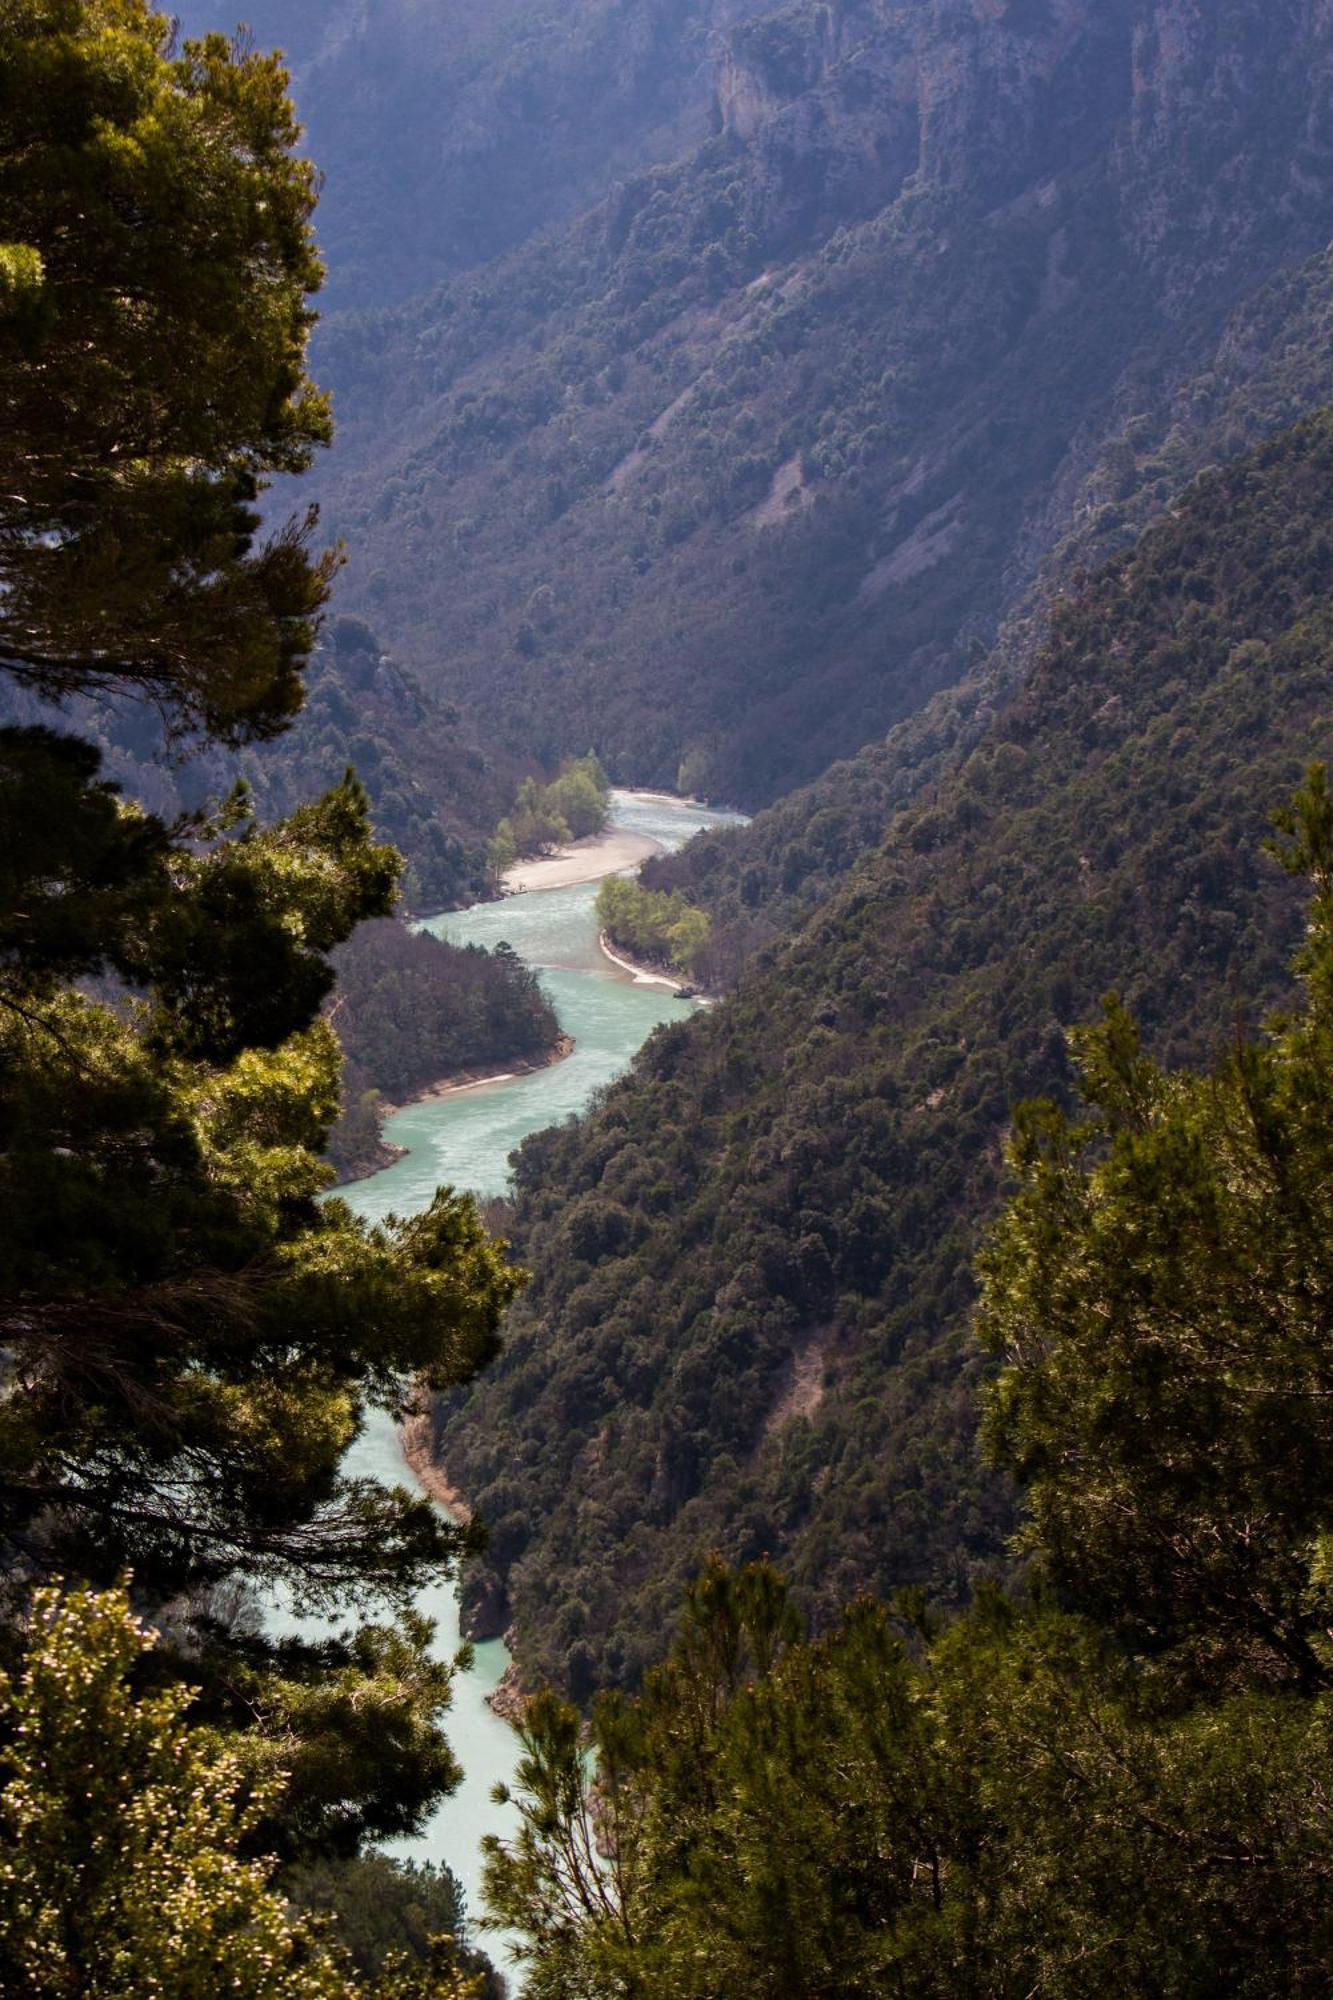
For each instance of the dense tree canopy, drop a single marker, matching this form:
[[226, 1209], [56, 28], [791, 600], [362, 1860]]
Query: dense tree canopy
[[1120, 1786], [190, 1336], [413, 1010], [121, 1871], [190, 1333], [124, 1869], [156, 261], [1159, 1293], [659, 925]]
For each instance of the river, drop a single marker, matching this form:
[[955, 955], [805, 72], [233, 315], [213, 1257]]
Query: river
[[465, 1139]]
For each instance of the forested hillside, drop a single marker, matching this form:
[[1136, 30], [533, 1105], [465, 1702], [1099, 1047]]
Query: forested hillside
[[410, 1011], [748, 1327], [758, 881], [1112, 1783], [733, 471], [432, 790]]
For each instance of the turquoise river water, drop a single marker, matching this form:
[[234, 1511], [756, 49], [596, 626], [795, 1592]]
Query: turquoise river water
[[465, 1139]]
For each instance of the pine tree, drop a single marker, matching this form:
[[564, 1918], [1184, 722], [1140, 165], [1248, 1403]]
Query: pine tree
[[156, 266], [122, 1862], [1159, 1293], [191, 1337], [1116, 1785]]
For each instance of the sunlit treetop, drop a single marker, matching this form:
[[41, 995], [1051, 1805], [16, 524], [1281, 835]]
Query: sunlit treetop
[[156, 269]]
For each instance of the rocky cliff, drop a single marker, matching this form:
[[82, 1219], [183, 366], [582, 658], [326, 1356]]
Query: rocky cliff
[[730, 475], [450, 131]]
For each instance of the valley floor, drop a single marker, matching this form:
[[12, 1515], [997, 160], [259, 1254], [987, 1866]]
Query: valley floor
[[582, 861]]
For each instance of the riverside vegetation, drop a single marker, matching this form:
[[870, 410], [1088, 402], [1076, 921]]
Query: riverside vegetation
[[661, 927], [574, 806]]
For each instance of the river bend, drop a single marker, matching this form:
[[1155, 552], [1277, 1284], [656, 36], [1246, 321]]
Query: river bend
[[465, 1139]]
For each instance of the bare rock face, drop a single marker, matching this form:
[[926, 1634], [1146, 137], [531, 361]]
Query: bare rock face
[[451, 129], [1010, 91], [845, 108], [982, 100], [510, 1699], [1212, 88], [770, 62]]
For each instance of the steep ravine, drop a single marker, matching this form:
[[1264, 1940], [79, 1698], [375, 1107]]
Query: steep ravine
[[731, 473]]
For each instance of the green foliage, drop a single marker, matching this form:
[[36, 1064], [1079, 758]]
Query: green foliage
[[432, 791], [758, 882], [191, 1336], [572, 807], [763, 880], [352, 1731], [581, 796], [534, 826], [663, 928], [412, 1010], [1124, 1792], [128, 1863], [1155, 1292], [386, 1909], [123, 1829], [136, 441], [747, 1327], [1002, 1809]]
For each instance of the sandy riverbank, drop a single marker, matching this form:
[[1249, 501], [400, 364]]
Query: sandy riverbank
[[642, 975], [388, 1155], [650, 975], [481, 1078], [432, 1478], [509, 1698], [582, 861]]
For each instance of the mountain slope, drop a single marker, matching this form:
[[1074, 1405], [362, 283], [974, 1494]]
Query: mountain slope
[[450, 131], [1273, 362], [730, 475], [434, 793], [748, 1323]]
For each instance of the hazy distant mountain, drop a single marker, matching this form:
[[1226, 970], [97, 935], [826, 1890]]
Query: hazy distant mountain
[[736, 469], [451, 130]]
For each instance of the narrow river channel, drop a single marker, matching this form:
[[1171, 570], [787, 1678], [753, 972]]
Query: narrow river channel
[[465, 1140]]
